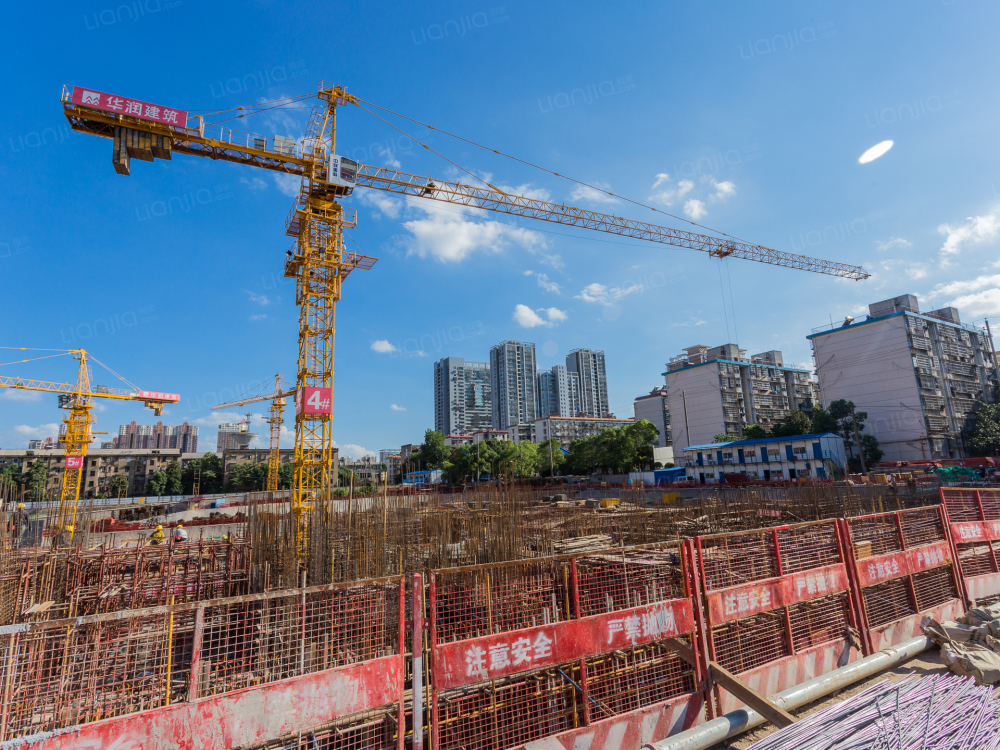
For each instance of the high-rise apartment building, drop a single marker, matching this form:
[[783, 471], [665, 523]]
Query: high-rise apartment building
[[712, 390], [513, 382], [159, 435], [590, 369], [919, 376], [462, 401], [558, 393]]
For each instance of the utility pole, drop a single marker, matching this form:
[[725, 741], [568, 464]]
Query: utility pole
[[552, 468], [857, 438]]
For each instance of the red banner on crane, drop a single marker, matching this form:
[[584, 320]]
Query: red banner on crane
[[131, 107], [157, 396]]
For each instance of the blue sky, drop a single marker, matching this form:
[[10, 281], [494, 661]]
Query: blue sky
[[749, 119]]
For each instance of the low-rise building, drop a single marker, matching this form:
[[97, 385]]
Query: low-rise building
[[715, 390], [820, 456], [102, 465], [455, 440], [568, 429]]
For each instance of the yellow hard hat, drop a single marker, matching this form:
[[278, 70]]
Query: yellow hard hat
[[20, 505], [180, 526], [159, 528]]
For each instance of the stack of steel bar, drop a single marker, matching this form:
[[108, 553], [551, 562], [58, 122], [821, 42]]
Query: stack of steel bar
[[936, 712]]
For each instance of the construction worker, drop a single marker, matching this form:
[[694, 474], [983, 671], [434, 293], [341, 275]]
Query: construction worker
[[19, 523], [157, 537], [180, 535]]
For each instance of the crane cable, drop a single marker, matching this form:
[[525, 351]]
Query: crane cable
[[543, 169], [457, 166]]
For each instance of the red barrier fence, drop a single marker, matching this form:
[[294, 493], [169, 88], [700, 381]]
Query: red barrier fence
[[218, 674], [604, 650], [778, 605], [901, 567], [596, 649], [974, 526]]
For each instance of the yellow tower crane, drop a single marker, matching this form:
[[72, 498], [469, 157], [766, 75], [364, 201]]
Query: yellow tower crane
[[319, 261], [79, 398], [276, 419]]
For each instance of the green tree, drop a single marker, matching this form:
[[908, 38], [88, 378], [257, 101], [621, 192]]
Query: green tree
[[823, 421], [247, 477], [10, 473], [985, 440], [156, 484], [846, 417], [344, 477], [174, 484], [38, 474], [754, 432], [286, 472], [725, 437], [796, 423], [870, 447], [211, 475], [117, 485], [550, 457], [433, 451]]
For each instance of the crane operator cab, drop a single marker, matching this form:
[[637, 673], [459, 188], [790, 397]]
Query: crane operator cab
[[343, 173]]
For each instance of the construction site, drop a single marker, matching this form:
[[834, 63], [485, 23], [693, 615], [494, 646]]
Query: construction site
[[498, 615]]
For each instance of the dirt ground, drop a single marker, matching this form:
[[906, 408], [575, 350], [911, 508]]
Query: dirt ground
[[929, 662]]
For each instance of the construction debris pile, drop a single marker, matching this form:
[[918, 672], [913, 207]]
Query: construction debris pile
[[936, 712], [970, 645]]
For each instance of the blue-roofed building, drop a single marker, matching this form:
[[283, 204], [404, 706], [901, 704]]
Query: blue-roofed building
[[821, 456]]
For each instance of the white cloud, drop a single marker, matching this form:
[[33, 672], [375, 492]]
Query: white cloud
[[382, 203], [544, 283], [451, 234], [525, 317], [976, 229], [260, 299], [975, 298], [382, 346], [723, 190], [351, 450], [394, 407], [980, 304], [601, 295], [693, 321], [39, 432], [255, 184], [667, 196], [556, 315], [892, 242], [288, 184], [913, 271], [694, 209], [592, 194], [19, 394], [952, 288], [258, 317], [525, 191]]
